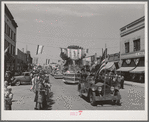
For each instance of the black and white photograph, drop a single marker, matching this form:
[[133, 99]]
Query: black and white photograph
[[74, 60]]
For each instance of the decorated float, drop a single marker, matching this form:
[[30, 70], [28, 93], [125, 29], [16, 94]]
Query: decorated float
[[72, 59]]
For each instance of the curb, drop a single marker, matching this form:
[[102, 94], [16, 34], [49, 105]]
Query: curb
[[134, 84]]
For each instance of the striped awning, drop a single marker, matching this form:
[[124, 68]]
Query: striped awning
[[138, 70]]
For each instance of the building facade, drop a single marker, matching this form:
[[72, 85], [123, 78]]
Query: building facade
[[29, 60], [20, 61], [132, 50], [10, 31]]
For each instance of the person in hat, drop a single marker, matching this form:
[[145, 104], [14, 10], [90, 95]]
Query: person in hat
[[8, 96], [122, 81]]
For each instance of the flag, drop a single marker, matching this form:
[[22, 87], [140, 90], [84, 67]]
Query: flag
[[6, 50], [86, 51], [39, 49], [80, 53], [102, 63], [48, 61], [68, 52]]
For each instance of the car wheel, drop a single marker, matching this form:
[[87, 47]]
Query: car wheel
[[18, 83], [92, 98]]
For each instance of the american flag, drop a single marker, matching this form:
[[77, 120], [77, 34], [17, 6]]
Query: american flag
[[102, 62]]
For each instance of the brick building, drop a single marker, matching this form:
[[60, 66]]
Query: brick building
[[10, 31]]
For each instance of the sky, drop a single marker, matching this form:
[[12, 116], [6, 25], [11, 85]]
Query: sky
[[91, 26]]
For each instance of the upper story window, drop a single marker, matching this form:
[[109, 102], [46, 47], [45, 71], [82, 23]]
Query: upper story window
[[136, 44], [127, 47]]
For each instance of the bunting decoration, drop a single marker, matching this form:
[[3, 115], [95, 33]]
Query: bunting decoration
[[39, 49]]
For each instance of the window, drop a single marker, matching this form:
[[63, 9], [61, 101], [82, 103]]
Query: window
[[14, 37], [11, 34], [8, 46], [11, 49], [127, 47], [5, 44], [136, 44], [5, 27]]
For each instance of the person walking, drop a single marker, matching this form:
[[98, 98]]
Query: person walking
[[122, 81]]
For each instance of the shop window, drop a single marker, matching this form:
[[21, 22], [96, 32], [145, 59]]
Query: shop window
[[127, 47], [136, 44]]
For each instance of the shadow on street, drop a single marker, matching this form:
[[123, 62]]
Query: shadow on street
[[50, 102]]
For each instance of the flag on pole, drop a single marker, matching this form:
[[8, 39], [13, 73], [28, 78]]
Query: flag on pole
[[102, 62], [39, 49], [48, 61], [6, 50], [86, 50]]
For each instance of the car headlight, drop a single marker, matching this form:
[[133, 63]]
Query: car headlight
[[112, 88], [99, 89]]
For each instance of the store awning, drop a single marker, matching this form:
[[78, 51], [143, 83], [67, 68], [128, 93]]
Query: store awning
[[125, 69], [110, 66], [138, 70]]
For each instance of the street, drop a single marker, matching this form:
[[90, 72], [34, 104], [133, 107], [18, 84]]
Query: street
[[66, 97]]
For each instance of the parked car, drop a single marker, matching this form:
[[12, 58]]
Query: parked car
[[22, 79]]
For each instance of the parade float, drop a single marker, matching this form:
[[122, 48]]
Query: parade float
[[72, 61]]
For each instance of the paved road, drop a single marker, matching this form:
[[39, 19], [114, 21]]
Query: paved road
[[66, 97]]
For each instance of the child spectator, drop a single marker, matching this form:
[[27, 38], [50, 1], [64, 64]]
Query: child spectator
[[8, 98]]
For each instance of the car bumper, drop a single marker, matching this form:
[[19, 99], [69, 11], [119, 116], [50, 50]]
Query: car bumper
[[70, 81], [108, 97]]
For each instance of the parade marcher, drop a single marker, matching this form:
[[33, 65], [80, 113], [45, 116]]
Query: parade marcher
[[8, 96]]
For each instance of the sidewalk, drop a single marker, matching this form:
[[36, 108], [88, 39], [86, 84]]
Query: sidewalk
[[131, 83]]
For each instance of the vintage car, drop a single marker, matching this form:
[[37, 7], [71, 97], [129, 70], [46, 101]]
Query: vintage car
[[71, 77], [98, 92], [58, 75], [22, 79]]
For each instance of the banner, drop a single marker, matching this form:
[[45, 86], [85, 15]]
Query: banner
[[39, 49], [80, 53], [68, 52], [74, 54]]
